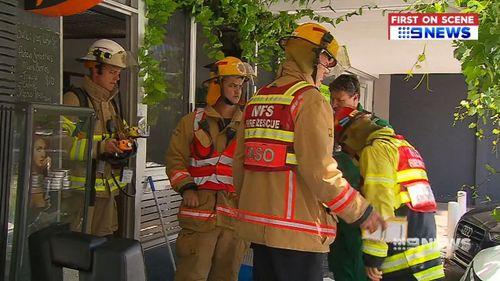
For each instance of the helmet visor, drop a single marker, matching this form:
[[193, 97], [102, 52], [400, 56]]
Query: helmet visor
[[343, 57], [342, 63], [131, 59]]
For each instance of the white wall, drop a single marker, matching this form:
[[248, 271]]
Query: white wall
[[369, 48], [371, 51], [381, 96]]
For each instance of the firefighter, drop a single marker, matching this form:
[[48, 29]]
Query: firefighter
[[105, 60], [199, 166], [290, 189], [345, 259], [395, 182]]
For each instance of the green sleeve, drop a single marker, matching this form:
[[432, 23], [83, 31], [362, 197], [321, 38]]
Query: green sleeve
[[348, 168]]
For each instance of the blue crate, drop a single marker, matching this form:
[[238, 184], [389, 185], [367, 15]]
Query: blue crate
[[245, 273]]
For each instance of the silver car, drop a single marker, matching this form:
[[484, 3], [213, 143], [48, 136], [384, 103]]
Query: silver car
[[485, 266]]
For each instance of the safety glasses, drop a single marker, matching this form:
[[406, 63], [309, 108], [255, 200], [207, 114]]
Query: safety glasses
[[326, 60]]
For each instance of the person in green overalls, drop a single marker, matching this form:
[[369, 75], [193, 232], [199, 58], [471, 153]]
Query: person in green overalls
[[345, 259]]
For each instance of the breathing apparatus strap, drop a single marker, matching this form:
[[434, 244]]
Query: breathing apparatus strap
[[224, 98]]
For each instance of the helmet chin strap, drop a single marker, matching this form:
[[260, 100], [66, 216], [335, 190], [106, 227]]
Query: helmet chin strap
[[314, 75], [99, 67], [227, 101]]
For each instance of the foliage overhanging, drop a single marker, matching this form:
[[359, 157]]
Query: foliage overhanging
[[259, 30], [480, 61]]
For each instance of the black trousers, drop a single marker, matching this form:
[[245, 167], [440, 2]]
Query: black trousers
[[273, 264]]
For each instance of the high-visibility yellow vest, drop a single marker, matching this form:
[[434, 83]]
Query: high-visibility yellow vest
[[424, 260], [415, 189], [78, 183]]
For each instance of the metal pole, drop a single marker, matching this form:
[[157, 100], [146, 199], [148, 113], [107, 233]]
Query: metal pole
[[171, 255]]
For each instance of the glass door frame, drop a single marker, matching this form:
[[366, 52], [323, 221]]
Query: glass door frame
[[24, 121], [133, 13]]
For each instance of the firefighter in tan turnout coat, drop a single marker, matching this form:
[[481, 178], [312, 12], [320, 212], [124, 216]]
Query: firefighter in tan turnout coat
[[289, 186], [199, 165], [105, 60]]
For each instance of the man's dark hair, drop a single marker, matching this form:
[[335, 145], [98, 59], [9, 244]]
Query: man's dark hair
[[347, 83]]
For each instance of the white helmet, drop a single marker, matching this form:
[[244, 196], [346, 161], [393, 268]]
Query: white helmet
[[108, 52]]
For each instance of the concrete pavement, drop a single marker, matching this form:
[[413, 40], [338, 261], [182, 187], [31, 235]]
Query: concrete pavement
[[453, 272]]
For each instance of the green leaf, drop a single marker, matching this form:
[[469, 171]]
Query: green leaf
[[496, 214], [490, 169], [479, 59]]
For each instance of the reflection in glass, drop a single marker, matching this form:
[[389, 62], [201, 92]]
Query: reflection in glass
[[57, 148]]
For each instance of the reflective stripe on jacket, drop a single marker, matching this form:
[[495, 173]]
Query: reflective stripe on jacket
[[289, 207], [100, 184], [411, 174], [100, 100], [209, 168], [269, 127], [203, 160], [383, 168], [424, 262]]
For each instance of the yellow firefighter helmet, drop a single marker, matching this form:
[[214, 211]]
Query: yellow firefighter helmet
[[315, 34], [228, 66]]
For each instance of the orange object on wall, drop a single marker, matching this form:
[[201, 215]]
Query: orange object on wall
[[55, 8]]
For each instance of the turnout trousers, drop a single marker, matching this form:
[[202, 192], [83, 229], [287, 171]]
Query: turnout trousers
[[214, 256], [273, 264]]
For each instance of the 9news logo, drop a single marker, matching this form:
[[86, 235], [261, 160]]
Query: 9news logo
[[454, 26]]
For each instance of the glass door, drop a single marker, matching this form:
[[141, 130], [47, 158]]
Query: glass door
[[49, 172]]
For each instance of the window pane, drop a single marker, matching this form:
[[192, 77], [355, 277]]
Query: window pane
[[55, 179], [163, 117], [17, 126]]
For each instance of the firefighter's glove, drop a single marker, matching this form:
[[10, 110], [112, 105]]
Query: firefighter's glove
[[190, 198]]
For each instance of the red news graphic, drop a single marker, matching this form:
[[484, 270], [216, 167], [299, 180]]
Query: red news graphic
[[444, 26]]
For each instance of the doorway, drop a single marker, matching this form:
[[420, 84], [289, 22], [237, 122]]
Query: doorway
[[117, 22]]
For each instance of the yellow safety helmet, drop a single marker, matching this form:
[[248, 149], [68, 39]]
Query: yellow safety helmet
[[317, 35], [228, 66], [108, 52]]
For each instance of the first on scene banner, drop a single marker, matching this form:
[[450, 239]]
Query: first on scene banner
[[443, 26]]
